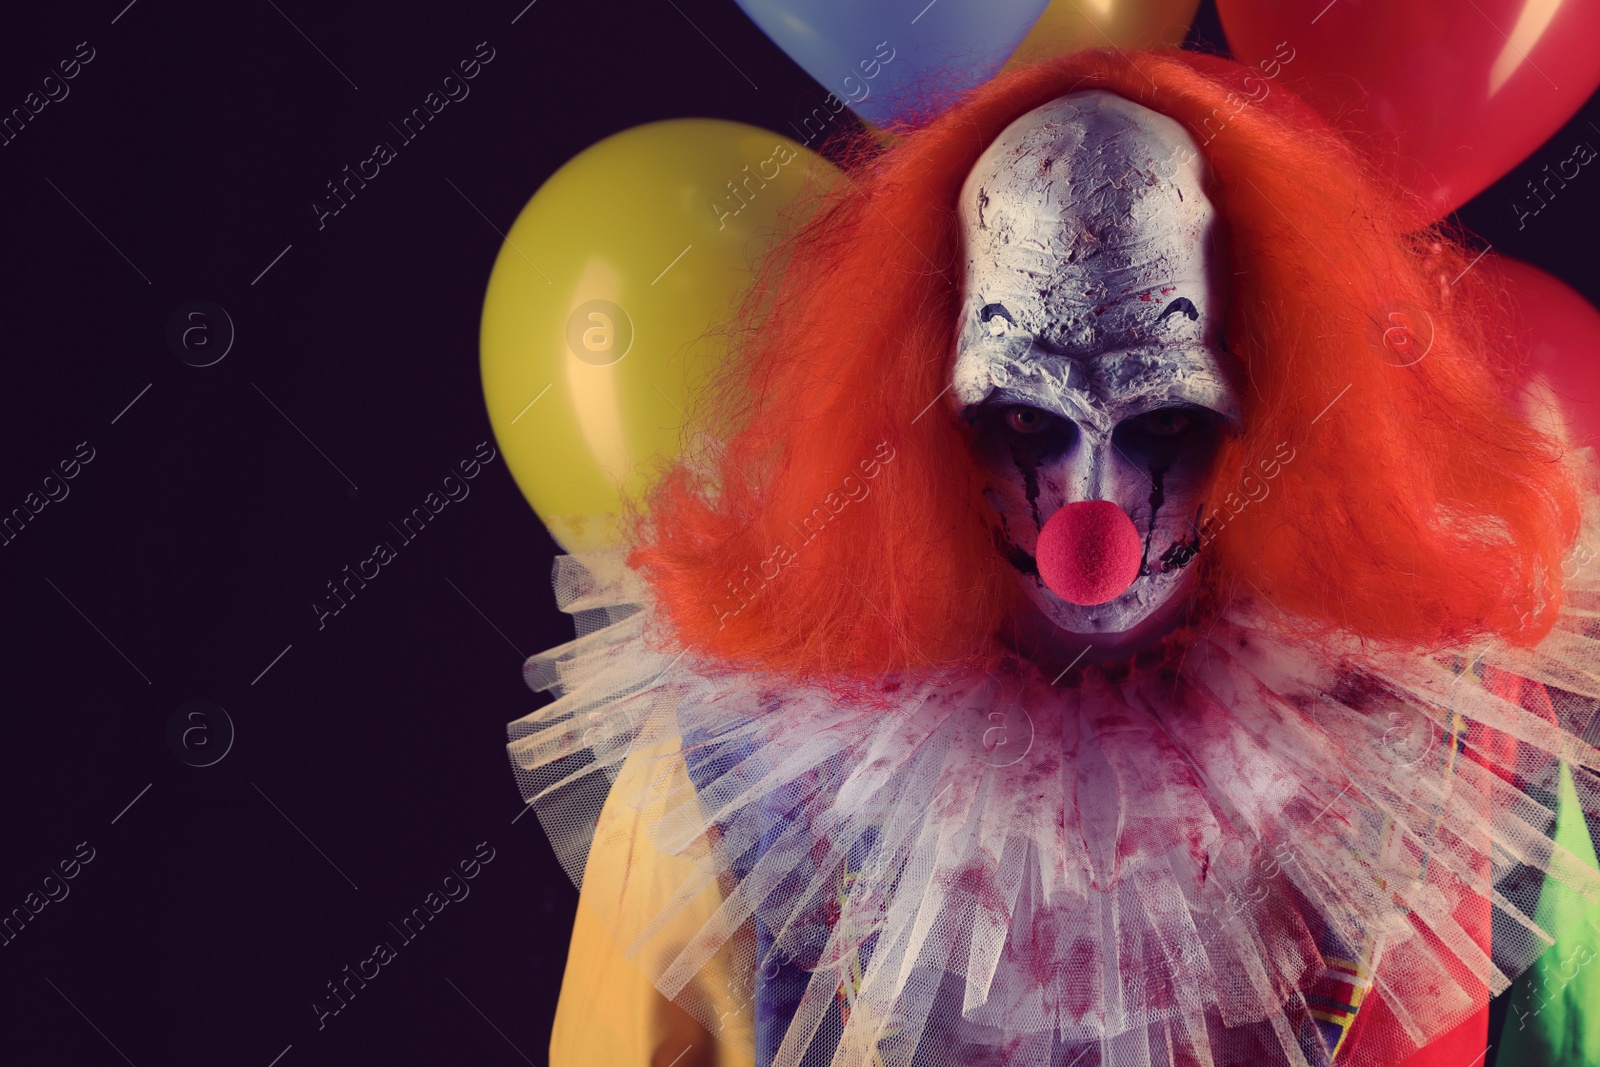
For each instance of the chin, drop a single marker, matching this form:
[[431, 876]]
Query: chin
[[1055, 634]]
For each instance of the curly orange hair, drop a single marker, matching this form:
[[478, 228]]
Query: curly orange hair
[[1419, 507]]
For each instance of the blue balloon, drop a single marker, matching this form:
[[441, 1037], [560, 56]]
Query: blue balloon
[[887, 60]]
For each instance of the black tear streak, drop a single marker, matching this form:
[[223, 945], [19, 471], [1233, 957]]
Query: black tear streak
[[1028, 466], [1015, 556], [1019, 559], [1181, 553], [1157, 497]]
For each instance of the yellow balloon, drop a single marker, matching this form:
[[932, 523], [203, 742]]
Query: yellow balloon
[[1072, 25], [600, 309]]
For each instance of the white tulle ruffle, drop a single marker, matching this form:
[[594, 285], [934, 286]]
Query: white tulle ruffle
[[1211, 858]]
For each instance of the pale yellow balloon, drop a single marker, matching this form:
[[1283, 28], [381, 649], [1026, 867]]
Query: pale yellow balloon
[[602, 308], [1072, 25]]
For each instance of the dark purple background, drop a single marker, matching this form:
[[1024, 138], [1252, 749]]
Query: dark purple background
[[189, 550]]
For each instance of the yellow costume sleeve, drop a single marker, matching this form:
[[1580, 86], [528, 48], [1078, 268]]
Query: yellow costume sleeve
[[609, 1014]]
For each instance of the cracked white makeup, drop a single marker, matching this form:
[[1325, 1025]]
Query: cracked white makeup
[[1089, 365]]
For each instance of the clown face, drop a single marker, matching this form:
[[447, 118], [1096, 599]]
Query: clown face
[[1089, 366]]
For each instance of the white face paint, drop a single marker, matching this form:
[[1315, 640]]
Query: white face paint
[[1089, 364]]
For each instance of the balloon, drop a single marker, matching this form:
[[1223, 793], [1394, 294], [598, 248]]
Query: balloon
[[599, 309], [1450, 95], [888, 61], [1559, 331], [1071, 25]]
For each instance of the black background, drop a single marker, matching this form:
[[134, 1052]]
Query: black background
[[185, 559]]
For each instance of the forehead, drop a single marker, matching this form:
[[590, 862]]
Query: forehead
[[1088, 232]]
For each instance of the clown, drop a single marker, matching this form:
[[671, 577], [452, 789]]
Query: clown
[[1089, 361], [1195, 683]]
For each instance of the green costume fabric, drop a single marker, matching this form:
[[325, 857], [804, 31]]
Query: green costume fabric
[[1554, 1019]]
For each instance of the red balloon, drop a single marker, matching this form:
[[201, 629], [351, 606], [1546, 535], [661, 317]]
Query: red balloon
[[1559, 331], [1448, 94]]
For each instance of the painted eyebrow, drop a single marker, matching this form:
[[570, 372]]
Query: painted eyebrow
[[989, 311], [1181, 306]]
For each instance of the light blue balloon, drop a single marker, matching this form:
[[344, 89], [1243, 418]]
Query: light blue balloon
[[889, 58]]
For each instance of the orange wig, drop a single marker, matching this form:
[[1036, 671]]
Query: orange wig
[[839, 527]]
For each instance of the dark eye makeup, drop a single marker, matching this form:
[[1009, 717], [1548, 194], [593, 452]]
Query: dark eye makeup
[[1163, 422], [1157, 436], [1019, 418], [1161, 435]]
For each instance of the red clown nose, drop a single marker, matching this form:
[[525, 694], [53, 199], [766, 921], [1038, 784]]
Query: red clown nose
[[1089, 552]]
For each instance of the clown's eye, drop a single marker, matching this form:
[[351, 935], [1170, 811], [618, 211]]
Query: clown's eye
[[1164, 422], [1162, 435], [1026, 420]]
